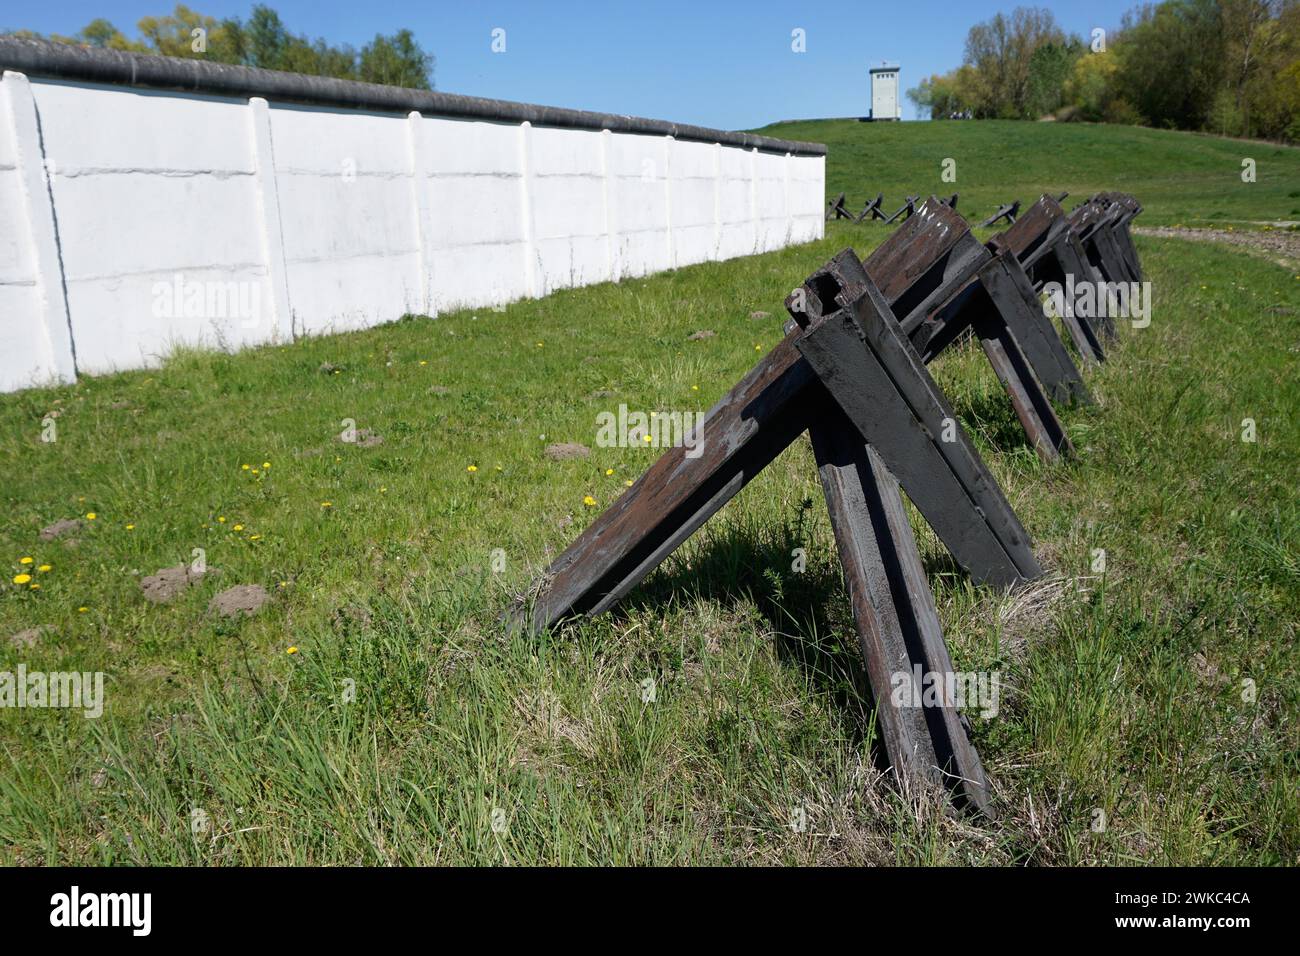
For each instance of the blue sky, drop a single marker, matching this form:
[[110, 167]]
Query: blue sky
[[726, 65]]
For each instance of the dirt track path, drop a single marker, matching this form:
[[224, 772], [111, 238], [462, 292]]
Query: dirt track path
[[1281, 245]]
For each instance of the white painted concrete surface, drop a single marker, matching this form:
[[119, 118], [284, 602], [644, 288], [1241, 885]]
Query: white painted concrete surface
[[135, 220]]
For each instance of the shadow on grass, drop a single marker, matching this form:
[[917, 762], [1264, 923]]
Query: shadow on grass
[[990, 414], [807, 611]]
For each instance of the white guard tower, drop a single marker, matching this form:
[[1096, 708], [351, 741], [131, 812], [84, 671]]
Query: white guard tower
[[884, 92]]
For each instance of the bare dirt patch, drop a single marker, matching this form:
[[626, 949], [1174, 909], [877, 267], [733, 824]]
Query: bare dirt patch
[[168, 583], [1278, 245], [701, 335], [566, 451], [242, 599], [60, 528], [29, 637]]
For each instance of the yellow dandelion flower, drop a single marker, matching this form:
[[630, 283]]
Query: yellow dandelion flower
[[254, 537], [609, 471], [266, 466], [91, 516], [22, 578], [628, 482], [383, 489], [284, 584], [472, 468], [423, 362], [83, 609], [34, 587], [292, 650], [255, 471], [239, 527], [326, 504], [695, 388], [648, 438], [24, 560], [221, 518], [758, 348], [245, 467], [131, 527], [45, 567], [588, 501]]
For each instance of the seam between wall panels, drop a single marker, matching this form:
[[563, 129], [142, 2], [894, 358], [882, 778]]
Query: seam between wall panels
[[37, 191], [789, 218], [717, 202], [611, 265], [526, 201], [668, 200], [268, 214], [423, 215], [753, 199]]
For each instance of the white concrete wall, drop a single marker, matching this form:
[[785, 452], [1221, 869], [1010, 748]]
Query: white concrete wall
[[132, 221]]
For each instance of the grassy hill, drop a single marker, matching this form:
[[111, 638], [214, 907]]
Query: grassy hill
[[1182, 178], [376, 712]]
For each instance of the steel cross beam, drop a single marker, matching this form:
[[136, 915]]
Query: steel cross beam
[[941, 283], [1092, 222], [1007, 212], [1049, 251], [1127, 209], [908, 208], [848, 372], [837, 210], [871, 211]]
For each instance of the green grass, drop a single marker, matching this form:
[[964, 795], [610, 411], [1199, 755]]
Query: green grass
[[1182, 178], [1123, 693]]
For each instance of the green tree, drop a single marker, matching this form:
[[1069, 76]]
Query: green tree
[[101, 33], [178, 34], [944, 95], [1001, 52], [1271, 93], [396, 61], [1050, 66], [1173, 62], [264, 41]]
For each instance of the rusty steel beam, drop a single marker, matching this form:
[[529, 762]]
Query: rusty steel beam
[[898, 628], [1128, 208], [871, 211], [1049, 251], [1088, 222], [1007, 212], [836, 209], [908, 207], [740, 435], [863, 357], [941, 283], [1034, 330]]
